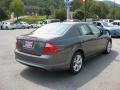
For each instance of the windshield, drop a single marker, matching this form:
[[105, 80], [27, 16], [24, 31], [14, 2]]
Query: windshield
[[108, 24], [56, 29]]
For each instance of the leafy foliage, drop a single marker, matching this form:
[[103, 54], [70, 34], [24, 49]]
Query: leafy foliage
[[17, 7], [31, 19], [3, 15], [60, 14], [55, 7], [78, 14], [47, 12]]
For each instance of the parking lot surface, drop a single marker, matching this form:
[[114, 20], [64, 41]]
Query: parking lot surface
[[99, 73]]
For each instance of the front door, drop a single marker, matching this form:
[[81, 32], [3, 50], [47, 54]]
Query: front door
[[99, 38], [88, 39]]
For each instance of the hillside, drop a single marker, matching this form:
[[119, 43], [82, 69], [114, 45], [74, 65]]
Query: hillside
[[44, 3], [41, 3], [58, 3], [110, 3]]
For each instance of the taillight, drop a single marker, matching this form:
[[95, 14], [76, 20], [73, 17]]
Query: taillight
[[50, 48], [17, 44]]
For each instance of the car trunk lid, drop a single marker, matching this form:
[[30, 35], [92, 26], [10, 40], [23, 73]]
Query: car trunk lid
[[30, 45], [33, 44]]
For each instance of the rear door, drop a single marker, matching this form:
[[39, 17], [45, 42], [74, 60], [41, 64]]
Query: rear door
[[87, 39]]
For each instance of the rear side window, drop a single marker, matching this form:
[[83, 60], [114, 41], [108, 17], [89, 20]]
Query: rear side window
[[84, 30]]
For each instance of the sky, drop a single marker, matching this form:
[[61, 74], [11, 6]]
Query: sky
[[117, 1]]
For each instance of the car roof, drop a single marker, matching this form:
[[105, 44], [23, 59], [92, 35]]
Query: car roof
[[71, 23], [72, 20], [75, 23], [98, 21]]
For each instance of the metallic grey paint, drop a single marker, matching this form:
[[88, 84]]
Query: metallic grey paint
[[68, 43]]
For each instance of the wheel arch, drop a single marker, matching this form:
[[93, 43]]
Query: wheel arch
[[81, 51], [72, 61], [110, 40]]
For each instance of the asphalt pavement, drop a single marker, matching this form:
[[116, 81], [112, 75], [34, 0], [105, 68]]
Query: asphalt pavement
[[99, 73]]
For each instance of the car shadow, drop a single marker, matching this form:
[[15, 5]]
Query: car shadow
[[64, 80], [116, 37]]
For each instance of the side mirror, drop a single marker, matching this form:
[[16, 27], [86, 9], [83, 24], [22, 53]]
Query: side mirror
[[101, 32], [104, 32]]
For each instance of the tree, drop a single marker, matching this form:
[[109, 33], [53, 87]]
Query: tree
[[95, 9], [60, 14], [117, 13], [86, 6], [99, 9], [3, 15], [17, 7], [76, 4], [104, 10], [111, 13], [47, 12], [78, 14], [4, 10]]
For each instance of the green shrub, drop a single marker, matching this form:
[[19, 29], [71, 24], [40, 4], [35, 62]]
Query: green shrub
[[60, 14], [3, 15], [78, 14], [31, 19]]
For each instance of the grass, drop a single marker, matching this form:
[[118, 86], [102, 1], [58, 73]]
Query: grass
[[31, 19]]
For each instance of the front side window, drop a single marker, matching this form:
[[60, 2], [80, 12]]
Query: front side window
[[98, 24], [94, 30], [84, 30]]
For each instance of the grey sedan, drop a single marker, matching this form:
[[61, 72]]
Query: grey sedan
[[62, 46]]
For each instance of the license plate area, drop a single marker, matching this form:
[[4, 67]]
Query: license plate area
[[28, 44]]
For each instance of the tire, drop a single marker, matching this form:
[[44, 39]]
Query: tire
[[1, 27], [76, 63], [108, 47], [23, 27], [7, 28]]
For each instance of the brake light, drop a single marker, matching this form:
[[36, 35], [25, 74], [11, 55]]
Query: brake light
[[17, 44], [50, 48]]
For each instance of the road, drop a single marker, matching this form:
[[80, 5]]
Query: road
[[99, 73]]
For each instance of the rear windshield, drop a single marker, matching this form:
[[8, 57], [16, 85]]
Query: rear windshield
[[56, 29]]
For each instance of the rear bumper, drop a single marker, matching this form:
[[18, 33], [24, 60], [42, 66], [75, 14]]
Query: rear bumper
[[46, 62]]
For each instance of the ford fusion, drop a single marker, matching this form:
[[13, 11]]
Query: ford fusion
[[62, 46]]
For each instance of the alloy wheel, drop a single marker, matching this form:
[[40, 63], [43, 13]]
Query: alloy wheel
[[76, 63], [109, 46]]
